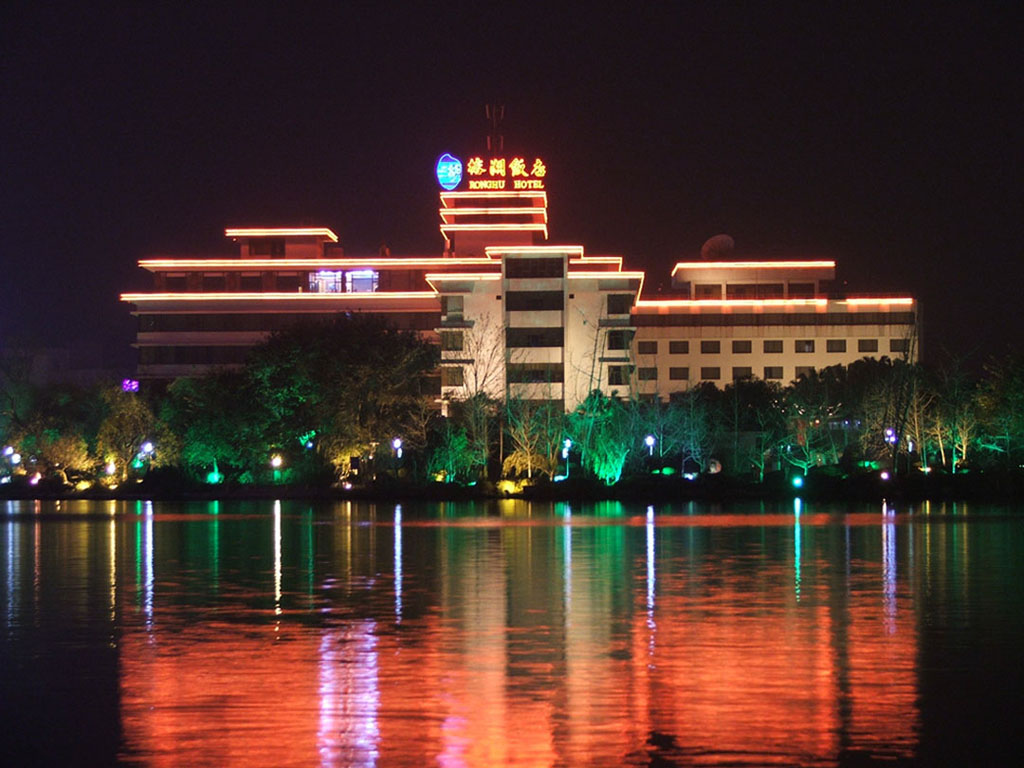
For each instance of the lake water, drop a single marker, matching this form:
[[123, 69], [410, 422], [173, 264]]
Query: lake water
[[509, 633]]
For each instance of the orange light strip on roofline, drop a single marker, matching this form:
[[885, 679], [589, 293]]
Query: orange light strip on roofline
[[753, 265], [446, 196], [584, 260], [494, 227], [466, 276], [463, 276], [604, 275], [505, 211], [732, 302], [283, 232], [288, 264], [567, 249], [140, 297], [903, 301]]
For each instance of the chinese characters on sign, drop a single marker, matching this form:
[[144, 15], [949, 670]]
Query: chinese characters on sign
[[501, 173]]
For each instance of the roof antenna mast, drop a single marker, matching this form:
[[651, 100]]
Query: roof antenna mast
[[495, 114]]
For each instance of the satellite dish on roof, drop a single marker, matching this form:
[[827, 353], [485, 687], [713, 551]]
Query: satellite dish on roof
[[717, 247]]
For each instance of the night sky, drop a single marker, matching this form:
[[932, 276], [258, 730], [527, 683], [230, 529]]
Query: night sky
[[885, 137]]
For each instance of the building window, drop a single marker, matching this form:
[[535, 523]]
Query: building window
[[647, 374], [710, 373], [707, 291], [835, 345], [619, 303], [773, 347], [540, 267], [266, 246], [451, 376], [754, 290], [647, 347], [679, 374], [899, 345], [214, 283], [451, 307], [867, 345], [804, 345], [679, 347], [534, 373], [804, 370], [772, 372], [742, 372], [176, 283], [619, 339], [533, 337], [451, 341], [710, 347], [327, 281], [361, 281], [801, 290], [533, 301], [741, 347], [618, 375], [250, 283], [288, 283]]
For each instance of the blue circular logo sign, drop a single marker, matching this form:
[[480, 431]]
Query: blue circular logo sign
[[449, 171]]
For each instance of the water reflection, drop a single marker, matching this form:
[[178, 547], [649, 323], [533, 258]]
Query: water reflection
[[501, 635]]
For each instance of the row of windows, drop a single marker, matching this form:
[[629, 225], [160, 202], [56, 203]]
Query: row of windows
[[254, 321], [619, 374], [534, 373], [321, 281], [192, 355], [760, 319], [534, 267], [534, 301], [749, 290], [745, 347]]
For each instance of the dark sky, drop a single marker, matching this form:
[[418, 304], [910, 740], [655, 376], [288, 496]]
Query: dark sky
[[887, 137]]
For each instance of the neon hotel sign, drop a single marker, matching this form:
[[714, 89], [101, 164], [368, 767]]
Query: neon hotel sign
[[495, 173]]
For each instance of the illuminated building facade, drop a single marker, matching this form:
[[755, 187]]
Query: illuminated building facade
[[513, 314]]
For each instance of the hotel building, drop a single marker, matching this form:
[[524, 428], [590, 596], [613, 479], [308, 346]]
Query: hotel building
[[513, 314]]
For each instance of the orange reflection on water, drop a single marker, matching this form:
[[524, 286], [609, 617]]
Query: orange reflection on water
[[546, 646]]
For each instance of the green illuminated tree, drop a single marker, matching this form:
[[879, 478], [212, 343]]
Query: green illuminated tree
[[220, 431], [1001, 410], [451, 455], [604, 430]]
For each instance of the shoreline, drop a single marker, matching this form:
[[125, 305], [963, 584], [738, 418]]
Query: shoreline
[[988, 486]]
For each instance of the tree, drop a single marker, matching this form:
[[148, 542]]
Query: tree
[[534, 428], [604, 429], [695, 410], [128, 424], [450, 455], [1001, 409], [220, 431], [354, 381]]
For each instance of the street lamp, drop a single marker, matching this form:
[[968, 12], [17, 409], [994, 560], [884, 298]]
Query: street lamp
[[276, 461], [649, 441], [397, 445], [566, 445]]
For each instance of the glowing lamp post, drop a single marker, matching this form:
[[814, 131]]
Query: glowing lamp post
[[566, 445], [396, 444], [276, 462], [649, 441]]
